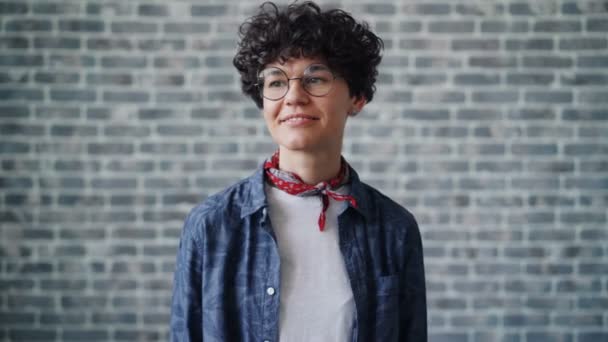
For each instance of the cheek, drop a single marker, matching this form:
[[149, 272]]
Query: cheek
[[269, 110]]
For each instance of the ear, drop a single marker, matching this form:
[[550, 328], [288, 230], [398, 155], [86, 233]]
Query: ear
[[358, 103]]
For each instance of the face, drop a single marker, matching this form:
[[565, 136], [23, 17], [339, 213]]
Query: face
[[300, 121]]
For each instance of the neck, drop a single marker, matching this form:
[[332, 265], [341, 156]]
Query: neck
[[312, 168]]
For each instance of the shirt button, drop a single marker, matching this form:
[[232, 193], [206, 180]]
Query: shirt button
[[270, 291], [266, 340]]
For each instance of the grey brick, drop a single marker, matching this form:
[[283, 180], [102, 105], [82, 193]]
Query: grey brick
[[493, 62], [439, 97], [127, 131], [56, 8], [71, 61], [596, 61], [56, 77], [529, 44], [479, 9], [423, 44], [109, 79], [81, 25], [187, 27], [20, 94], [419, 114], [62, 319], [592, 97], [520, 9], [475, 44], [104, 44], [123, 62], [133, 27], [85, 335], [180, 97], [110, 148], [126, 96], [163, 148], [583, 44], [153, 10], [495, 96], [585, 149], [557, 26], [549, 337], [584, 79], [451, 27], [474, 79], [585, 114], [592, 336], [21, 129], [14, 43], [20, 25], [380, 9], [76, 95], [479, 114], [501, 26], [8, 318], [177, 62], [13, 8], [110, 8], [487, 336], [423, 79], [409, 26], [438, 62], [548, 97], [21, 60], [137, 335], [30, 302], [530, 78], [208, 10], [597, 25], [162, 44], [435, 8], [32, 334], [571, 8], [547, 62]]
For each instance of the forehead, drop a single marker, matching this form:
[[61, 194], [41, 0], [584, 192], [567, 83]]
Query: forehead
[[295, 65]]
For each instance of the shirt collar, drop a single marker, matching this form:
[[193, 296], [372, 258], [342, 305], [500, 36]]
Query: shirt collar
[[256, 196]]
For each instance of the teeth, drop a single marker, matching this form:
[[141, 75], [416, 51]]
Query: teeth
[[296, 119]]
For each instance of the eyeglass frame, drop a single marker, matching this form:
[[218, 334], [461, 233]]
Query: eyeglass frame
[[260, 86]]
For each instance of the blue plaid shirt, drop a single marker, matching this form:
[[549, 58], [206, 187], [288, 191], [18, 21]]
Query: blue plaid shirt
[[227, 282]]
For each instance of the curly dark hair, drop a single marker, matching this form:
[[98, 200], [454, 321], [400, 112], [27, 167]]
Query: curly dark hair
[[303, 30]]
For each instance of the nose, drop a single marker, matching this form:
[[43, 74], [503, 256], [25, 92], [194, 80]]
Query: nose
[[296, 93]]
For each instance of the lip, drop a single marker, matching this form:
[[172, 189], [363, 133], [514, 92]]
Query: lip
[[297, 118]]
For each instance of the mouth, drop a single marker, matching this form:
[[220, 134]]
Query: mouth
[[295, 118]]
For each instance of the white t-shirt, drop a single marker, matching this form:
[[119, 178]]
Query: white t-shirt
[[317, 303]]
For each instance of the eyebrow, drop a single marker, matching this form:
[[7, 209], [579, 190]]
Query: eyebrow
[[272, 71], [315, 67]]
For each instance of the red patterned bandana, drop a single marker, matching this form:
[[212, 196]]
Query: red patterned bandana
[[293, 185]]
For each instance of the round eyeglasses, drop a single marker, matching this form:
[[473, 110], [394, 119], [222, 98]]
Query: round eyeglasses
[[317, 80]]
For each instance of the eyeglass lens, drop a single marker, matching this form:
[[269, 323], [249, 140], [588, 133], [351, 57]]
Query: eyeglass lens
[[316, 80]]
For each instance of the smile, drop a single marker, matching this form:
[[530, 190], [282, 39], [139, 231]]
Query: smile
[[296, 118]]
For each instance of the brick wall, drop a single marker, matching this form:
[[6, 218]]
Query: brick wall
[[490, 123]]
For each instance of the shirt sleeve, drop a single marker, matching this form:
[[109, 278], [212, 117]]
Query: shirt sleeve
[[186, 318], [414, 321]]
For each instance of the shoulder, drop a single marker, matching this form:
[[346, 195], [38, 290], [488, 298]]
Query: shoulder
[[380, 205], [218, 209]]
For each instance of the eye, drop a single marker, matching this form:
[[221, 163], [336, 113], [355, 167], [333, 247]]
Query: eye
[[314, 80], [276, 83]]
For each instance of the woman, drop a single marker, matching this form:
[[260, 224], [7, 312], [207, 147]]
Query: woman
[[302, 250]]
